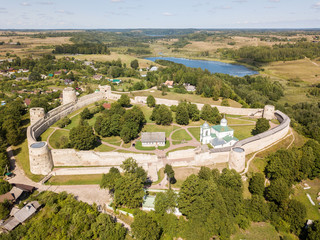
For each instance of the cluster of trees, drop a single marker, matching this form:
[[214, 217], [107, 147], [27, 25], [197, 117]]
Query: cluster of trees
[[162, 115], [117, 121], [278, 52], [127, 189], [262, 125], [62, 215], [84, 48], [254, 90], [210, 114], [82, 137], [11, 131], [4, 206]]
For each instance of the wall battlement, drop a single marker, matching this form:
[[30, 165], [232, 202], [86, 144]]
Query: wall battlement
[[42, 159]]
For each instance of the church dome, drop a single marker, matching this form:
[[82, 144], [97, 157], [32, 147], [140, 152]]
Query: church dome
[[205, 125], [223, 122]]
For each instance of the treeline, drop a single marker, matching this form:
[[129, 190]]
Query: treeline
[[281, 52], [83, 48], [63, 217], [11, 131], [255, 90]]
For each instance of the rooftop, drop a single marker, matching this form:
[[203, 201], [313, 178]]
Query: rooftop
[[220, 128], [153, 137]]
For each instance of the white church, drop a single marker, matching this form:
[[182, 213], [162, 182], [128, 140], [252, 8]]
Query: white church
[[218, 135]]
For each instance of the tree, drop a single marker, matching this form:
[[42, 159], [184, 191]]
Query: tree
[[313, 231], [205, 173], [124, 100], [34, 76], [40, 102], [278, 191], [262, 125], [64, 122], [4, 186], [165, 202], [257, 208], [256, 184], [193, 111], [295, 214], [170, 173], [144, 227], [130, 166], [128, 191], [85, 114], [109, 180], [151, 101], [134, 64], [82, 137], [210, 114], [162, 115], [4, 209], [182, 116]]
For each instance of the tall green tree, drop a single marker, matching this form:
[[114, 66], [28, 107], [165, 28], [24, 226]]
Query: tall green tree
[[256, 184], [182, 115], [134, 64], [151, 101], [82, 137], [144, 227], [109, 180], [262, 125], [124, 100], [210, 114]]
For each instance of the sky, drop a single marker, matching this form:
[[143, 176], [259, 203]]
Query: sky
[[108, 14]]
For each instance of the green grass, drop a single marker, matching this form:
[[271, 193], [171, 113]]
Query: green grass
[[160, 176], [195, 131], [115, 140], [257, 231], [44, 136], [232, 121], [21, 153], [181, 135], [242, 132], [56, 136], [126, 145], [165, 146], [147, 112], [75, 179], [159, 128], [138, 146], [126, 151], [181, 148], [104, 148], [176, 142], [257, 165], [300, 195], [74, 122]]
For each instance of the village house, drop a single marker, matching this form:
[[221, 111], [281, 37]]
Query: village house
[[97, 77], [190, 88], [153, 139], [169, 84], [153, 69]]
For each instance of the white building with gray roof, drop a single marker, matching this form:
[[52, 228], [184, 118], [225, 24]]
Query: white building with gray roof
[[150, 139]]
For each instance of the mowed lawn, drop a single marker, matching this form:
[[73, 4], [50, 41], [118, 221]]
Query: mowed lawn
[[195, 131], [75, 179], [242, 132], [159, 128], [55, 138], [44, 136], [181, 135]]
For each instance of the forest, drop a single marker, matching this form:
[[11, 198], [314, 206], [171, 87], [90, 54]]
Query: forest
[[85, 48]]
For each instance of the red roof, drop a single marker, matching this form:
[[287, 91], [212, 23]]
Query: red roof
[[27, 101], [107, 105]]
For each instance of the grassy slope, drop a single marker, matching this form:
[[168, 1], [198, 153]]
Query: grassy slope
[[181, 135], [56, 136], [75, 179], [195, 131]]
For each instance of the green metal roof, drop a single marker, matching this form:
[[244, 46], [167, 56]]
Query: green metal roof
[[213, 135], [230, 138], [220, 128], [148, 201]]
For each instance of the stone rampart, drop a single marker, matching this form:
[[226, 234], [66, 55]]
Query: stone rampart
[[151, 163]]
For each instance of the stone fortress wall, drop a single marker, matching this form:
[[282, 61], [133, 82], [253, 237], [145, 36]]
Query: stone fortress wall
[[42, 159]]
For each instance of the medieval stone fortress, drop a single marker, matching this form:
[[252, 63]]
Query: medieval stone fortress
[[227, 148]]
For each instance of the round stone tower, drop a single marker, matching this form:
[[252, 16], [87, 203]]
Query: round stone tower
[[106, 90], [69, 95], [40, 158], [237, 159], [36, 114], [268, 112]]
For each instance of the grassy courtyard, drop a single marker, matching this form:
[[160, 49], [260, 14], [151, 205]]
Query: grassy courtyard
[[181, 135], [159, 128], [55, 138], [195, 131]]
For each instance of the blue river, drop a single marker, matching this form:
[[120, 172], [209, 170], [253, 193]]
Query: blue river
[[212, 66]]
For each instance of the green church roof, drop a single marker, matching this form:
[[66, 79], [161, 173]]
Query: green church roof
[[220, 128], [230, 138]]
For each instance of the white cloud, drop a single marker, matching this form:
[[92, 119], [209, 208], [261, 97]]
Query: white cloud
[[64, 12], [168, 14], [25, 4], [316, 5], [45, 3]]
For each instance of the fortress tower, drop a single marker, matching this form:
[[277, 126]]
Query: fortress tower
[[106, 90], [40, 158], [268, 112], [69, 96], [36, 114], [237, 159]]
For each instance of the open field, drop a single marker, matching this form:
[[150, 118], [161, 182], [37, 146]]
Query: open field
[[103, 148], [115, 140], [195, 131], [75, 179], [242, 132], [181, 174], [181, 97], [55, 138], [181, 135], [159, 128], [257, 231], [143, 63], [305, 69]]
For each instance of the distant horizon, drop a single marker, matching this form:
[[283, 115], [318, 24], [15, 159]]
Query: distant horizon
[[178, 14]]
